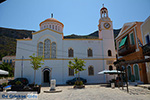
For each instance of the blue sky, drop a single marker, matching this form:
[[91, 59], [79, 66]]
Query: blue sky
[[78, 16]]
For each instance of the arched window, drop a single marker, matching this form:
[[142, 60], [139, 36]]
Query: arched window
[[90, 52], [71, 72], [53, 50], [40, 49], [47, 48], [52, 26], [70, 52], [56, 27], [136, 72], [110, 67], [109, 53], [90, 70], [129, 72]]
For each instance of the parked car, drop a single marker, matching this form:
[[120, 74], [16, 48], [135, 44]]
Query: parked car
[[72, 81], [24, 81]]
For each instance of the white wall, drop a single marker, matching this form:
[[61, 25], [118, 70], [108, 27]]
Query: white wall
[[59, 66]]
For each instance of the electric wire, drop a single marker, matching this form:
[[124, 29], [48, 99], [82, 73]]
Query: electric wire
[[35, 51]]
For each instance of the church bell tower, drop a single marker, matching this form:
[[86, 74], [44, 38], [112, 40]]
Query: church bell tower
[[105, 30], [105, 24]]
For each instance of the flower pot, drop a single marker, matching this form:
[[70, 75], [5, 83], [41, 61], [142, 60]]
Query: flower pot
[[79, 86]]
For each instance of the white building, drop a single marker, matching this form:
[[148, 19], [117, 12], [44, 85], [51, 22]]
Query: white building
[[9, 59], [49, 42]]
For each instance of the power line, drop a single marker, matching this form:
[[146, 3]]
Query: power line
[[58, 55], [84, 54]]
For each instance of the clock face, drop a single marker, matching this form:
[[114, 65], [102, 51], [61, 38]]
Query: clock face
[[107, 25]]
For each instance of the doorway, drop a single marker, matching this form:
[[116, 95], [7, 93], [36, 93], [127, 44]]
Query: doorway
[[129, 73], [46, 76], [136, 72]]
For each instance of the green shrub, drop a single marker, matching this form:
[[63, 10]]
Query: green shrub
[[4, 84], [78, 83], [18, 83]]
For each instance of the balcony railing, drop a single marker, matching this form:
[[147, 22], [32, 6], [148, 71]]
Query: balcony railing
[[146, 49], [126, 49]]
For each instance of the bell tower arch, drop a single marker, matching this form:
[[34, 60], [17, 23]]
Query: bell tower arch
[[105, 24]]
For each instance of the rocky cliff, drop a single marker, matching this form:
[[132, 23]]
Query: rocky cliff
[[8, 40]]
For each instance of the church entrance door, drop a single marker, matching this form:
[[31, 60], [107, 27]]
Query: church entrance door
[[46, 76]]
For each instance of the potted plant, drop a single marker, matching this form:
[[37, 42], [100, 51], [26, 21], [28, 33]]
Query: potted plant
[[77, 65], [79, 84]]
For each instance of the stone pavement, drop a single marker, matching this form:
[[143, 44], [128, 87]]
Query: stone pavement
[[95, 92], [144, 86]]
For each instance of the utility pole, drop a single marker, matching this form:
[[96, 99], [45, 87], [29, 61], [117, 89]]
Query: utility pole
[[126, 77], [22, 67]]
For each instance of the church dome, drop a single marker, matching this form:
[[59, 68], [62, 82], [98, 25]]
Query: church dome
[[51, 19], [53, 24]]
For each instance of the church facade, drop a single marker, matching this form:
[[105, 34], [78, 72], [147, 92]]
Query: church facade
[[49, 42]]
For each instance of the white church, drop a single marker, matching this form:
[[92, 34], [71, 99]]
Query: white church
[[49, 42]]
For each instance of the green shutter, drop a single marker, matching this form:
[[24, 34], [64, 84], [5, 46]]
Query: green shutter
[[132, 39], [123, 41]]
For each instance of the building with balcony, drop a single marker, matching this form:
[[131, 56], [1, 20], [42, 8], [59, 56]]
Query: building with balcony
[[145, 30], [129, 49]]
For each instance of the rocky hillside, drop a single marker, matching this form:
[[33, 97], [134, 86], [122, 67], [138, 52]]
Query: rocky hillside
[[8, 39], [93, 35]]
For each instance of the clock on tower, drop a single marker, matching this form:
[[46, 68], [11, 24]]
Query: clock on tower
[[107, 25]]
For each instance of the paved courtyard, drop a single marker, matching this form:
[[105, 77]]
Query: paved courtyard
[[95, 92]]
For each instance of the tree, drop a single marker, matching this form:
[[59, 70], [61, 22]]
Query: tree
[[77, 65], [36, 62], [7, 67]]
